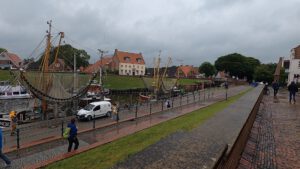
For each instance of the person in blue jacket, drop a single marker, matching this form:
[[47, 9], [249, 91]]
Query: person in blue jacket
[[73, 135], [2, 156]]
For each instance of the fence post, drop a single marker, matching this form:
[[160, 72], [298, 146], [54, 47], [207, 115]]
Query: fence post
[[150, 108], [136, 110], [180, 100], [62, 128], [94, 122], [162, 105], [204, 94], [172, 102], [199, 95], [18, 138], [187, 99]]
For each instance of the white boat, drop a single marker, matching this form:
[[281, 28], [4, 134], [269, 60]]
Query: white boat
[[13, 92]]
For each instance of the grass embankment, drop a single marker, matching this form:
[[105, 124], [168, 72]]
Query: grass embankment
[[190, 81], [123, 82], [109, 154], [5, 75]]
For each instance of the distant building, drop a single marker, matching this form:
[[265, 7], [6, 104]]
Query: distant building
[[106, 63], [292, 66], [187, 71], [9, 60], [126, 63], [60, 66]]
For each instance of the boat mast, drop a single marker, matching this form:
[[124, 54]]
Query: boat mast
[[45, 67]]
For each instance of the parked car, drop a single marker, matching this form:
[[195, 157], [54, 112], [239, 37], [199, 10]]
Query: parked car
[[94, 109]]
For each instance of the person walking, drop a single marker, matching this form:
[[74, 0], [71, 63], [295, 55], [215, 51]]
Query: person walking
[[2, 156], [293, 89], [275, 87], [13, 120], [73, 135]]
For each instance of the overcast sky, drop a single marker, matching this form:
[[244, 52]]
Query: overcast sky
[[190, 31]]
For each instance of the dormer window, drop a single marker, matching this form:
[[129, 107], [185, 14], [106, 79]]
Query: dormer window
[[139, 60], [127, 59]]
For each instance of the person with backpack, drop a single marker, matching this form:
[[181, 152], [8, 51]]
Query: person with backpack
[[72, 135], [275, 87], [292, 89], [2, 156]]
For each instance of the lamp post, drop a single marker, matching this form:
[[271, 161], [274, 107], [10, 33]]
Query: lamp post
[[100, 72]]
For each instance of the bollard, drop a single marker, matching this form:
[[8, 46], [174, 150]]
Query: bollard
[[226, 94], [94, 122], [162, 105], [117, 118], [62, 128], [150, 108], [18, 138], [204, 95]]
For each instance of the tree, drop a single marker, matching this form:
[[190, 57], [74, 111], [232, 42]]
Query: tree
[[207, 68], [237, 65], [263, 74], [66, 52], [2, 50]]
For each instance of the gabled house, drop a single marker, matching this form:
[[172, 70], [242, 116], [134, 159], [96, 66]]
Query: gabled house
[[105, 62], [292, 66], [187, 71], [9, 60], [126, 63]]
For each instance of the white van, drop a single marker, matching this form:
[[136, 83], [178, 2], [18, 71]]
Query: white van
[[95, 109]]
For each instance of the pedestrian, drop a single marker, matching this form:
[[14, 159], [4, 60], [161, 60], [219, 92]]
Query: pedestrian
[[73, 135], [275, 87], [168, 105], [293, 89], [2, 156], [114, 110], [13, 121]]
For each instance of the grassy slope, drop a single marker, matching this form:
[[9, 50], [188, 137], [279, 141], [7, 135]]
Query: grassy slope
[[109, 154], [4, 75]]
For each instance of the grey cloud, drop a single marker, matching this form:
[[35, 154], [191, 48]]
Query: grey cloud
[[195, 31]]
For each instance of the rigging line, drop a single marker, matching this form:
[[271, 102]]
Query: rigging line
[[37, 47], [96, 52]]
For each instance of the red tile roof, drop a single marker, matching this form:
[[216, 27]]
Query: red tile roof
[[133, 57], [15, 59], [187, 69], [95, 67]]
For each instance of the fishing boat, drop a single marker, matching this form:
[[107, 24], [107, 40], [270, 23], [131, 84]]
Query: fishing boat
[[8, 91]]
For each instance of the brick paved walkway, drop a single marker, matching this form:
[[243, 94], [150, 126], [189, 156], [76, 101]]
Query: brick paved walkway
[[274, 141]]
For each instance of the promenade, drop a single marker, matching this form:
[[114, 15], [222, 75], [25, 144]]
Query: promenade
[[274, 141], [54, 149]]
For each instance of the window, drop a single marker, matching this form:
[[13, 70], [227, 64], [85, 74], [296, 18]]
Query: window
[[129, 66], [121, 65], [127, 59], [139, 60], [137, 66], [97, 108], [125, 71], [141, 72]]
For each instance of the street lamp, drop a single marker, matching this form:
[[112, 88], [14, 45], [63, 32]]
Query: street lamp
[[100, 72]]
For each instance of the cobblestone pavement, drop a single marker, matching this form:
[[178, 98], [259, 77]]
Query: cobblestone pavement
[[200, 147], [274, 141], [47, 151]]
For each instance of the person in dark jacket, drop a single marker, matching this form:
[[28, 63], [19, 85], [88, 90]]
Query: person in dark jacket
[[275, 87], [2, 156], [293, 89], [73, 135]]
